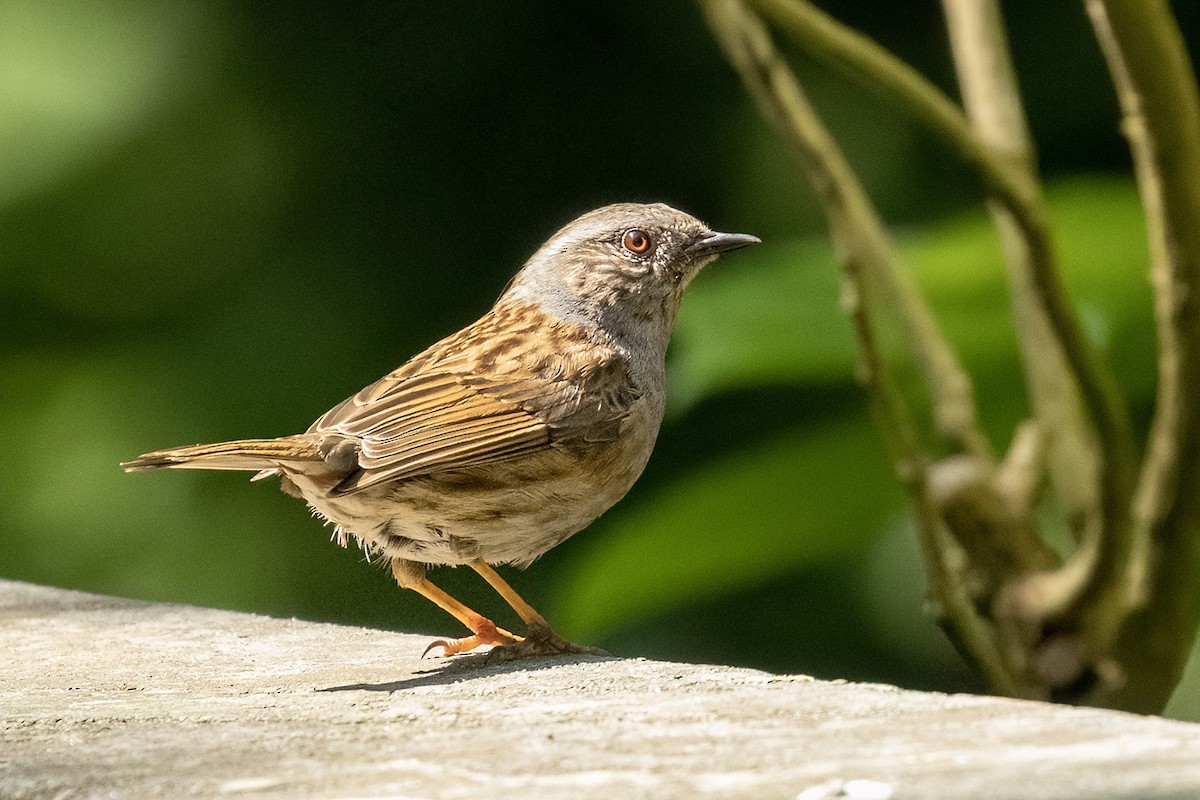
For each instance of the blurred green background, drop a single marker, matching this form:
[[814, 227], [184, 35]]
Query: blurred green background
[[219, 219]]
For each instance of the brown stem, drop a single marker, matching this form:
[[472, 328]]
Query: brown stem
[[1018, 192], [874, 280], [1157, 90], [857, 230], [993, 106]]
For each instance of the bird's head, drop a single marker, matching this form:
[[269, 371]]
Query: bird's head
[[622, 265]]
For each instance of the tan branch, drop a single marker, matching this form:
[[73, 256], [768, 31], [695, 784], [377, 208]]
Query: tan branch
[[1157, 90], [1016, 190], [873, 279], [857, 230], [993, 105]]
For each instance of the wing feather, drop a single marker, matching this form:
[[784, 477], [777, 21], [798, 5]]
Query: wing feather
[[479, 397]]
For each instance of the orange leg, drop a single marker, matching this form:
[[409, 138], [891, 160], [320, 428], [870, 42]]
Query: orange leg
[[539, 638], [526, 612], [483, 630]]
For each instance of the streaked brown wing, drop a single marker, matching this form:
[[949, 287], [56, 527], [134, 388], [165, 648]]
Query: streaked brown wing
[[483, 396], [412, 427]]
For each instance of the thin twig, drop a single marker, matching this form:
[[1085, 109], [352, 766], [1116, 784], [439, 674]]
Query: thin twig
[[1160, 103], [869, 262], [857, 229], [993, 106], [1015, 189]]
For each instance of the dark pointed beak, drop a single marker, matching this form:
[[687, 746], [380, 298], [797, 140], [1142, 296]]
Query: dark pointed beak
[[712, 244]]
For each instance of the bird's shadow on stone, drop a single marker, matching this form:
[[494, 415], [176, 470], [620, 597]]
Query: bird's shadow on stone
[[457, 669]]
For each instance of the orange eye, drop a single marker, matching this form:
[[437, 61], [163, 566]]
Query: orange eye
[[636, 241]]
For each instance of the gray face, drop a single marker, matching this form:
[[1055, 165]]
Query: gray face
[[622, 263]]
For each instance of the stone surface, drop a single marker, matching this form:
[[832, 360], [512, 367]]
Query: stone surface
[[101, 697]]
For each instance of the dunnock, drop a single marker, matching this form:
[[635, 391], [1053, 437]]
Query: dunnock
[[500, 441]]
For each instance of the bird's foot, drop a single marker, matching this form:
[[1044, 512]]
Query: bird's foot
[[541, 640], [485, 633]]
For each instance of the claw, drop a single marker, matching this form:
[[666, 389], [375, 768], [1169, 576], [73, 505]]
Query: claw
[[442, 643], [452, 647], [487, 634]]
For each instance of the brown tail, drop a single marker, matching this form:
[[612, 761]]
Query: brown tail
[[241, 454]]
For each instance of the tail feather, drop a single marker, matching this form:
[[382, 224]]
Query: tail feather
[[255, 454]]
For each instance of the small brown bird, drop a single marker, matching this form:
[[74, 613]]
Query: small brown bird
[[500, 441]]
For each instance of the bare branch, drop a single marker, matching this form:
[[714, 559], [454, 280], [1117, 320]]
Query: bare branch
[[857, 230], [993, 105], [873, 277], [1156, 87], [1109, 624], [1014, 189]]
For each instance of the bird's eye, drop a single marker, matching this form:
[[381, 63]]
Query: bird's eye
[[636, 241]]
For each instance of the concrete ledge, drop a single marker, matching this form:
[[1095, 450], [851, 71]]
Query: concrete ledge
[[101, 697]]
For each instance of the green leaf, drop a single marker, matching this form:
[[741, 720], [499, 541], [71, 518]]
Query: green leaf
[[78, 78], [764, 316], [774, 319], [760, 512]]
